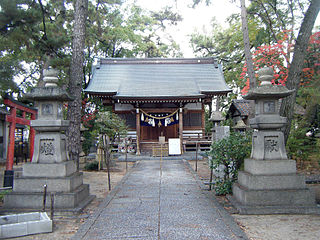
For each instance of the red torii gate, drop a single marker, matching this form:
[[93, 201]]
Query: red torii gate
[[13, 120]]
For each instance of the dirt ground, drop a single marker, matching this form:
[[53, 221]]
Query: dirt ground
[[66, 226], [257, 227], [270, 227]]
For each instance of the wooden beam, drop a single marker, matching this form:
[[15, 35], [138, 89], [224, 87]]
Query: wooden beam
[[20, 106], [22, 121]]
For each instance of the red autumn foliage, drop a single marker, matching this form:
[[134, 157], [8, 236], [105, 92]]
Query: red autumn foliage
[[89, 113], [277, 56]]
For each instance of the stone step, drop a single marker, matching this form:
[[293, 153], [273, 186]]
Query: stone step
[[275, 209], [49, 169], [54, 184], [34, 200], [285, 197], [261, 182]]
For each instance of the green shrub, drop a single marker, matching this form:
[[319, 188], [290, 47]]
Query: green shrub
[[2, 193], [92, 166], [299, 146], [227, 156], [223, 187]]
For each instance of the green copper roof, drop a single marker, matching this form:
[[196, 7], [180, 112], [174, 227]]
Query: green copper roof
[[157, 78]]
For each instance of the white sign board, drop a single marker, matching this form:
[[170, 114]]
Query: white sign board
[[174, 146]]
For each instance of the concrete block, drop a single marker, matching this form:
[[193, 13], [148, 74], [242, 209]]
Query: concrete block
[[285, 197], [269, 167], [265, 182], [43, 225], [63, 169], [25, 224], [9, 219], [26, 217], [58, 184], [13, 230]]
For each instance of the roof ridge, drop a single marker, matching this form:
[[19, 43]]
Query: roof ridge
[[208, 60]]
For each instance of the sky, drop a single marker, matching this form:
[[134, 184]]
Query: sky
[[198, 18]]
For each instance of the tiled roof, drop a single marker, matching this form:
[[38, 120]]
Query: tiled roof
[[149, 78], [243, 106]]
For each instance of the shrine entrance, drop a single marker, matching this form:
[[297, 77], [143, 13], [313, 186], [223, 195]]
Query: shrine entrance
[[149, 133], [19, 114], [155, 124]]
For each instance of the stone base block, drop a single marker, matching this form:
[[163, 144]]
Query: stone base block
[[54, 184], [34, 200], [275, 197], [275, 209], [63, 169], [269, 167], [264, 182]]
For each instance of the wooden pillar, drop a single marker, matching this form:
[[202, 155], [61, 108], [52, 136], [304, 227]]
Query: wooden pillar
[[31, 138], [203, 120], [10, 153], [138, 130], [181, 128]]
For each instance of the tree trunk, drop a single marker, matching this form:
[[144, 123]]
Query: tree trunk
[[294, 75], [246, 41], [76, 77]]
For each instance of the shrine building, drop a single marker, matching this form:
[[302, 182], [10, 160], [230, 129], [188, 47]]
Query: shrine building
[[159, 97]]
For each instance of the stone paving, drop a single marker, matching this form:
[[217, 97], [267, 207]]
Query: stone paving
[[160, 199]]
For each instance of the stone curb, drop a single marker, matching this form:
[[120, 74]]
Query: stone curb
[[85, 227], [226, 217]]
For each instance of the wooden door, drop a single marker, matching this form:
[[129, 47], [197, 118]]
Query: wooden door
[[149, 133]]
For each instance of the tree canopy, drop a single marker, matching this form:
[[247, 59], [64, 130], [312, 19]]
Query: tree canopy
[[38, 34]]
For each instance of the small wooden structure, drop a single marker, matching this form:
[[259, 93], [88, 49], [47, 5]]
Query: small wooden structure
[[159, 97], [239, 111]]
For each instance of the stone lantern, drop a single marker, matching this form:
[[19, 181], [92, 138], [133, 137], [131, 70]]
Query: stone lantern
[[218, 132], [240, 126], [269, 183], [50, 164], [268, 141]]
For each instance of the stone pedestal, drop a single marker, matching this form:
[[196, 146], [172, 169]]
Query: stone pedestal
[[50, 164], [269, 183]]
